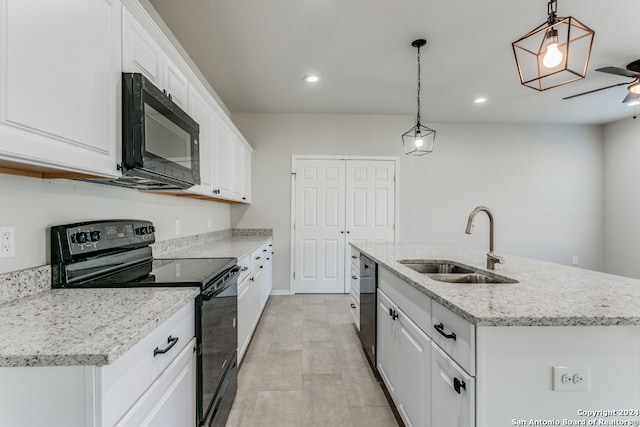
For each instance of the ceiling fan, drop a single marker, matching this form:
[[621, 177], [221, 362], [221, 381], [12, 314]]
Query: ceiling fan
[[632, 70]]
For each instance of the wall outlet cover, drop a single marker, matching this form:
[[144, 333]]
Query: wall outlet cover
[[570, 378]]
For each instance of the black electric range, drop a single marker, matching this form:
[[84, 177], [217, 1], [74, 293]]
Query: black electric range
[[117, 253]]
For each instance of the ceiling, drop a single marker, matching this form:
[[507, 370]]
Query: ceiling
[[255, 53]]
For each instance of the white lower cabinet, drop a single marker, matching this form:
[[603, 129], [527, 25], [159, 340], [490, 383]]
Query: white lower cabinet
[[140, 388], [169, 402], [404, 362], [253, 293], [452, 392]]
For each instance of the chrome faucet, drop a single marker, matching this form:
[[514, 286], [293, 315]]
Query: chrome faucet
[[492, 258]]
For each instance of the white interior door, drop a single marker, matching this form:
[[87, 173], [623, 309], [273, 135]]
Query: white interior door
[[319, 226], [370, 202]]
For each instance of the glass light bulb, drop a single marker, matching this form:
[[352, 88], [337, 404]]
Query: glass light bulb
[[419, 141], [553, 57]]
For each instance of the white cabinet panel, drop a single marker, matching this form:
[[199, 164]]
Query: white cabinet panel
[[60, 83], [452, 391], [386, 343], [140, 53], [177, 85], [170, 400], [203, 114], [246, 174]]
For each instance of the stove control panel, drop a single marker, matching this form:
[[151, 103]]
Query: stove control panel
[[87, 238]]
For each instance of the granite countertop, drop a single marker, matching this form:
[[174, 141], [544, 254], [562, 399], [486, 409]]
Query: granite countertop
[[547, 294], [234, 247], [67, 327]]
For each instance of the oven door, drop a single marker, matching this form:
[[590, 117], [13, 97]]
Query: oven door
[[217, 336]]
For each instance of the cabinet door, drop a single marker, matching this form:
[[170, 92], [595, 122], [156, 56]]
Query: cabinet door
[[246, 175], [255, 297], [452, 391], [140, 53], [59, 84], [238, 164], [245, 318], [414, 372], [171, 400], [203, 114], [223, 158], [387, 344], [176, 84]]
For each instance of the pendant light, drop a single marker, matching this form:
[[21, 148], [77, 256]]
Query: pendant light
[[554, 53], [418, 140]]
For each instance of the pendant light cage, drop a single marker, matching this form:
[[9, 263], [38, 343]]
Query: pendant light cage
[[574, 41], [418, 140]]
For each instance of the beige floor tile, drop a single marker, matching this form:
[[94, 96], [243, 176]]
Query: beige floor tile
[[275, 408], [319, 357], [324, 402], [313, 298], [361, 386], [287, 338], [380, 416], [282, 371]]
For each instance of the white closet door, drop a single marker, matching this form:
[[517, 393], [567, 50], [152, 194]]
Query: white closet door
[[370, 202], [319, 226]]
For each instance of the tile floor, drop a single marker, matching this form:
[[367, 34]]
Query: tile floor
[[305, 367]]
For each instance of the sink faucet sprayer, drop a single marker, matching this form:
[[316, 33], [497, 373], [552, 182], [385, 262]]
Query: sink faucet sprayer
[[492, 258]]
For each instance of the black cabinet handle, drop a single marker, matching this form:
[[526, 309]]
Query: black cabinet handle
[[393, 313], [245, 268], [268, 258], [354, 277], [244, 198], [342, 232], [261, 266], [257, 257], [354, 257], [270, 245], [457, 385], [251, 279], [171, 340], [264, 250], [353, 305], [348, 232], [440, 328]]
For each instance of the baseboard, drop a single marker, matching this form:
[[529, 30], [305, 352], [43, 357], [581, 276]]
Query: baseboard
[[280, 292]]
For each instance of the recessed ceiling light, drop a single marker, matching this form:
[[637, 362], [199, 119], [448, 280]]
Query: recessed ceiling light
[[480, 100], [311, 78]]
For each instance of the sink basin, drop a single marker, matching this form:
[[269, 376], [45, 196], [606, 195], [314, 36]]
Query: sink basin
[[436, 267], [452, 272]]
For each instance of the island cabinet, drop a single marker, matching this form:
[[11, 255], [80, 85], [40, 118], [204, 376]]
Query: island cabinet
[[354, 273], [143, 387], [255, 283], [60, 86], [426, 381]]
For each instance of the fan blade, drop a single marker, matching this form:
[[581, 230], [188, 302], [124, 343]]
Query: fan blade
[[618, 71], [630, 98], [596, 90]]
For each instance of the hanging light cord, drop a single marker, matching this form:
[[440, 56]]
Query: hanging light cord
[[418, 118], [552, 11]]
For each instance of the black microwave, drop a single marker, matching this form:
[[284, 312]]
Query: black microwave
[[160, 149]]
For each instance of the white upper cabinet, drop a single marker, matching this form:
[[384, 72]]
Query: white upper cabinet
[[203, 114], [60, 85], [224, 160], [142, 54]]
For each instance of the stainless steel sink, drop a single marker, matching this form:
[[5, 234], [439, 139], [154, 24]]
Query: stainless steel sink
[[451, 272]]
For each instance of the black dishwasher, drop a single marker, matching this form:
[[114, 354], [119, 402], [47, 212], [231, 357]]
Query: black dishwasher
[[368, 289]]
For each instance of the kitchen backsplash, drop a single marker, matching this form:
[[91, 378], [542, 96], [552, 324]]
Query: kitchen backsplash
[[172, 245]]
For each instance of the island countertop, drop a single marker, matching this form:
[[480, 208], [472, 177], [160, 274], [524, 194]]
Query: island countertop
[[546, 294]]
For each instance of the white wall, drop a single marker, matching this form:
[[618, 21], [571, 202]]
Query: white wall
[[32, 205], [622, 197], [544, 183]]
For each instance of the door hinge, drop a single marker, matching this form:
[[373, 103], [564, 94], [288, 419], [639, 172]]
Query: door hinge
[[394, 178], [294, 275]]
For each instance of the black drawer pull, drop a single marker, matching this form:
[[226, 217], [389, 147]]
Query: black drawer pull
[[171, 340], [440, 328], [257, 257], [354, 257], [354, 277], [353, 305], [264, 250], [245, 268], [457, 385], [393, 313]]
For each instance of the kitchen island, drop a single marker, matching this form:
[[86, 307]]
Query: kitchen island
[[559, 342]]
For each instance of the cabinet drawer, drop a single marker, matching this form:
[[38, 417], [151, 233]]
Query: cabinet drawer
[[355, 280], [410, 300], [355, 309], [455, 336], [452, 392], [355, 257], [260, 255], [245, 266], [124, 381]]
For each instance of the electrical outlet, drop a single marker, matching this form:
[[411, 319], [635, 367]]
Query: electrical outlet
[[177, 226], [575, 260], [7, 242], [570, 378]]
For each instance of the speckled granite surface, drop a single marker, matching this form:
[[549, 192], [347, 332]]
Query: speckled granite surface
[[265, 232], [237, 247], [67, 327], [160, 249], [22, 283], [547, 294]]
